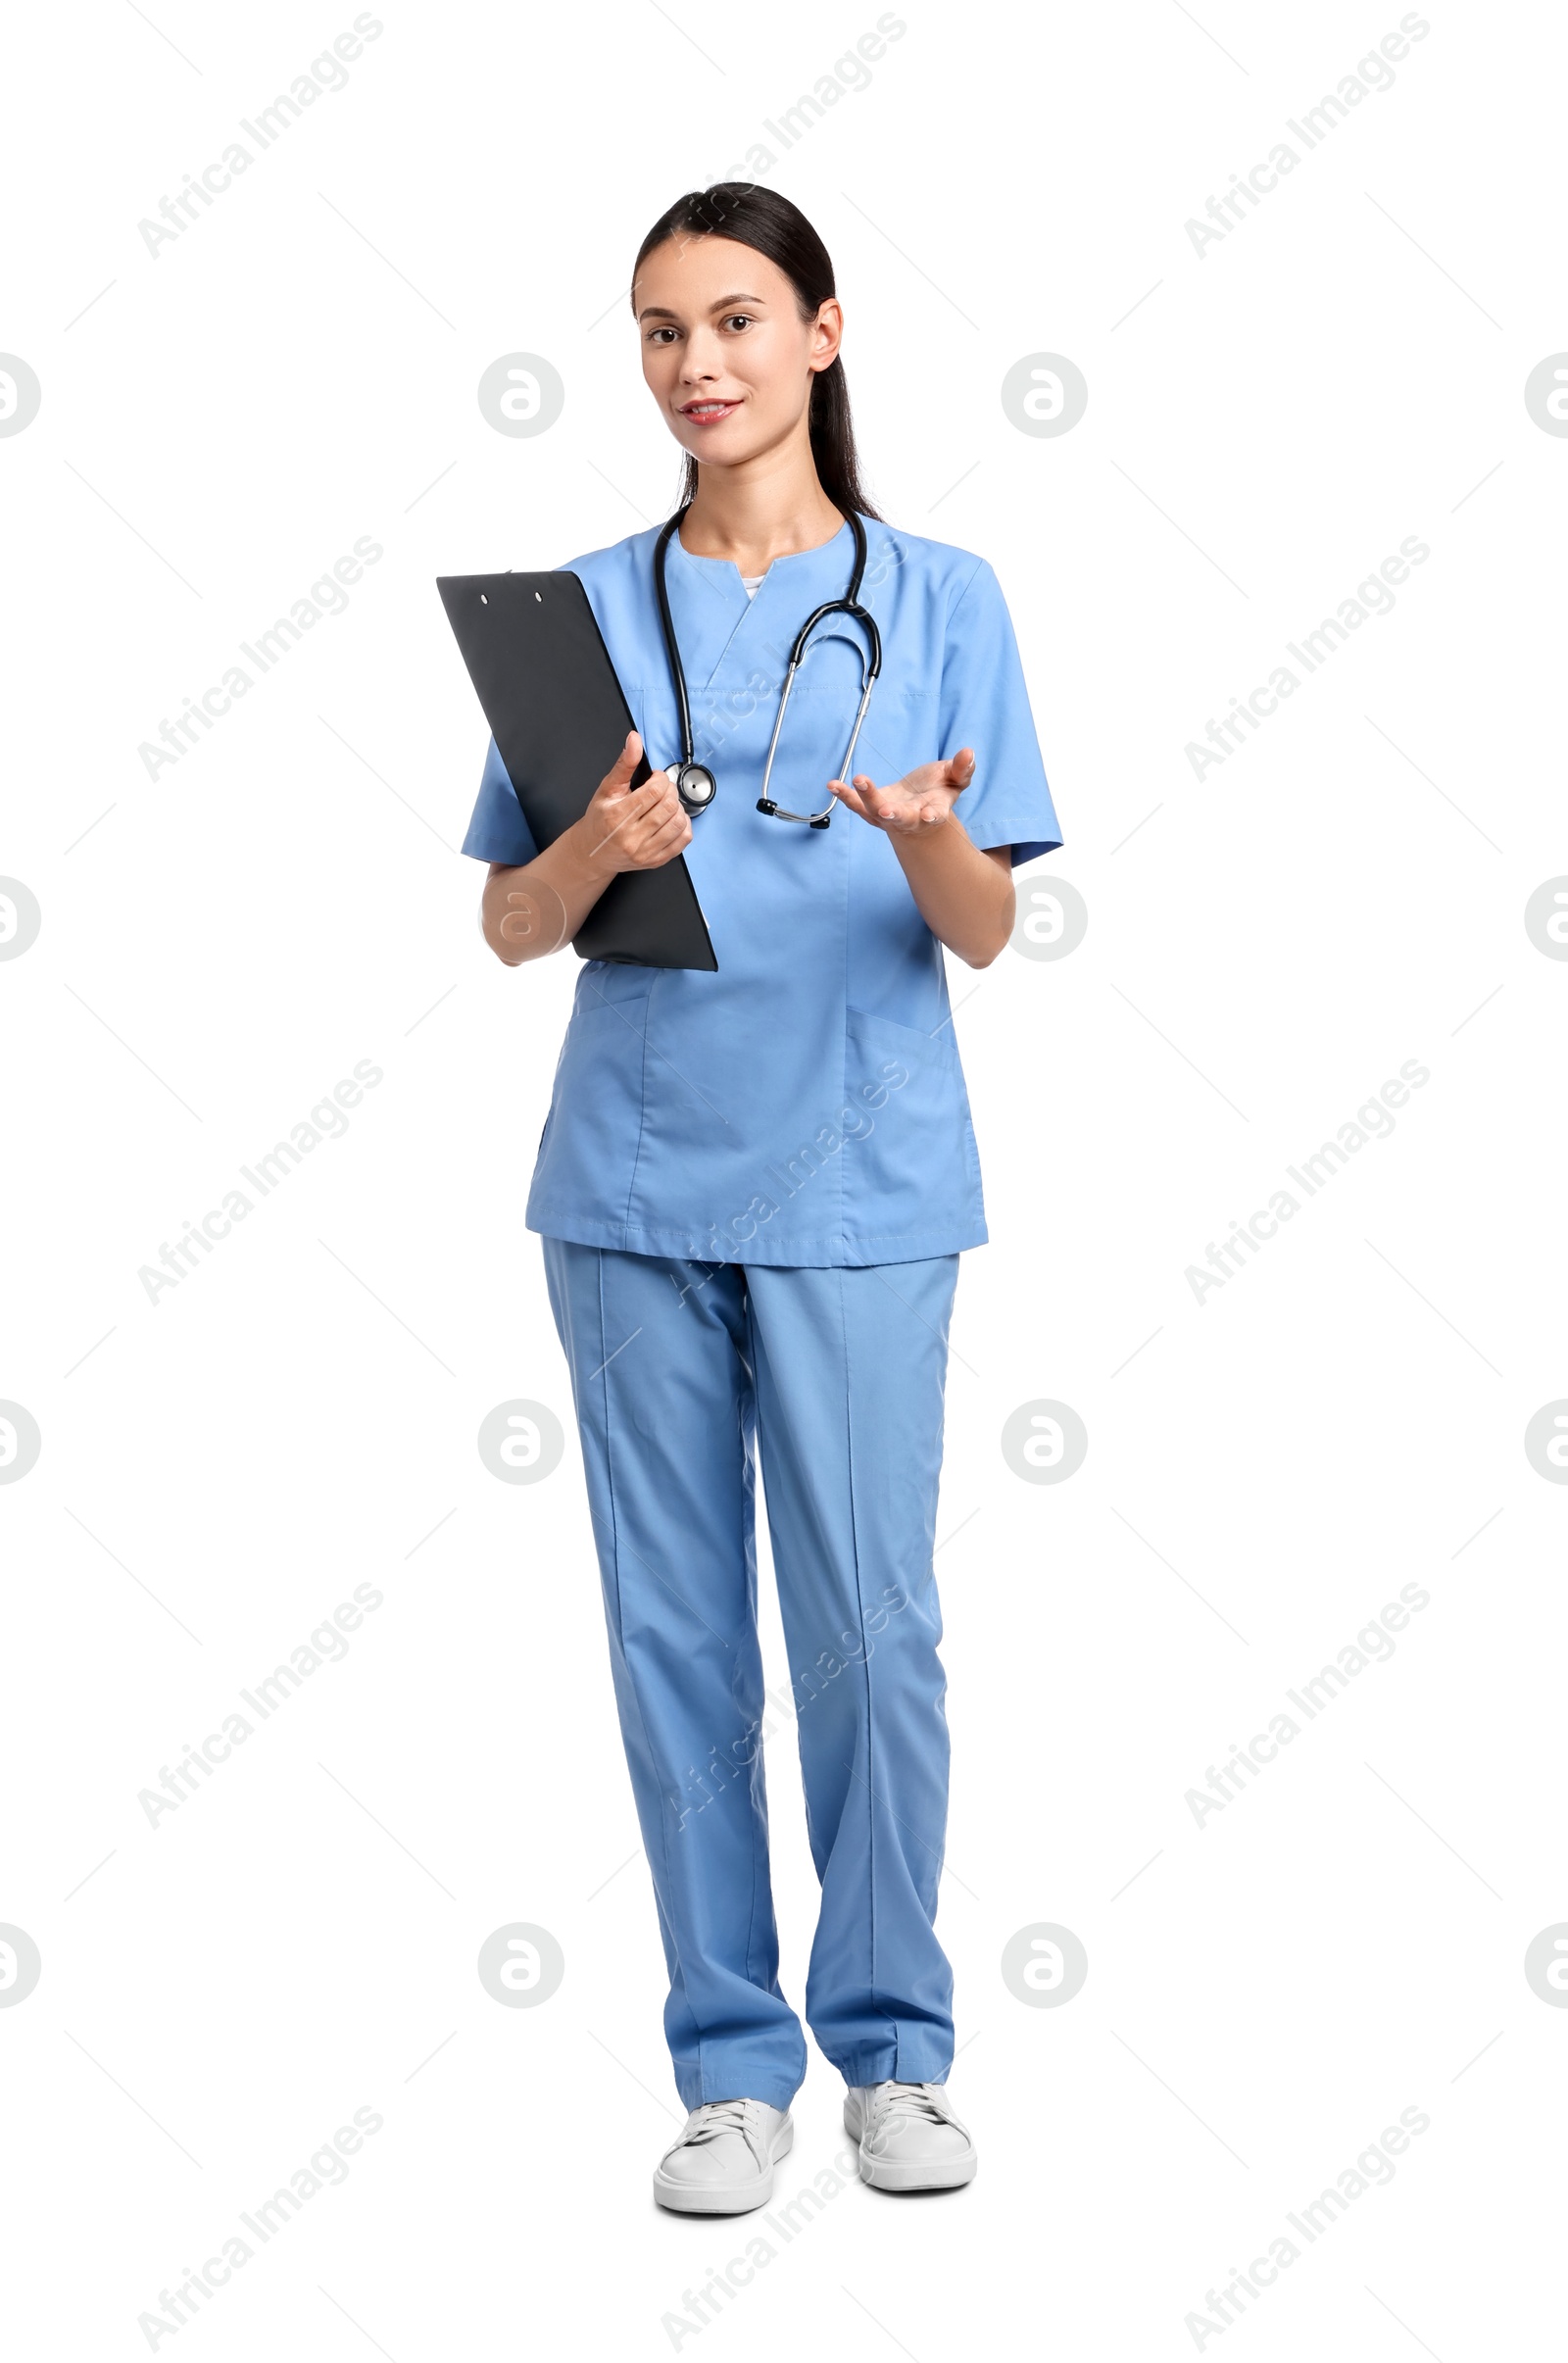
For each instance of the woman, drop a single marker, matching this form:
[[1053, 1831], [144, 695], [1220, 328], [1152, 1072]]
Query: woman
[[753, 1186]]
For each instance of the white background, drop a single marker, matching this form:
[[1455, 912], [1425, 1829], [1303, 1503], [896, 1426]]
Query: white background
[[1266, 422]]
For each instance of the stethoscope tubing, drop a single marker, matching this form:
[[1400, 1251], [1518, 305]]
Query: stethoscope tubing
[[870, 667]]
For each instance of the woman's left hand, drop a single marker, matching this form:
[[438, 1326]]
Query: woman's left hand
[[921, 800]]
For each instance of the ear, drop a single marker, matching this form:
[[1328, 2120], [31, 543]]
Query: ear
[[827, 334]]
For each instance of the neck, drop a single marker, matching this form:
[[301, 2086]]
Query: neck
[[764, 508]]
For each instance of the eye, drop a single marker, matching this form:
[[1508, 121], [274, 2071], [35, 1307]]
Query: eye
[[741, 319], [657, 336]]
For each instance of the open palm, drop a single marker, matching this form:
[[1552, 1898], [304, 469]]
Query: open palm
[[922, 799]]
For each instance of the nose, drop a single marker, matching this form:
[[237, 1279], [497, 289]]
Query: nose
[[700, 360]]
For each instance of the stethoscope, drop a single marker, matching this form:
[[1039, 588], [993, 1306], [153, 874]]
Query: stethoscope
[[695, 783]]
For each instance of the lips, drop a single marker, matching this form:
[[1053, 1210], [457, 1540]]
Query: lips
[[707, 413]]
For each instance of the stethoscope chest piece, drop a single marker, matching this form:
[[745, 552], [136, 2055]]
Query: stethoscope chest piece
[[696, 787]]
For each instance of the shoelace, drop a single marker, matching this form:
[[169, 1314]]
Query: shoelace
[[716, 2117], [911, 2100]]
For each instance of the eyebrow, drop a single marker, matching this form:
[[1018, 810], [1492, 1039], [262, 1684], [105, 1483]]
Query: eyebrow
[[663, 311]]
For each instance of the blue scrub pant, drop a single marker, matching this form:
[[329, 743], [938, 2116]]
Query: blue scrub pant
[[675, 1367]]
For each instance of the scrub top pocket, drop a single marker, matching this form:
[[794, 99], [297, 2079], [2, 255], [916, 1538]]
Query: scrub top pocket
[[915, 1171], [600, 1080]]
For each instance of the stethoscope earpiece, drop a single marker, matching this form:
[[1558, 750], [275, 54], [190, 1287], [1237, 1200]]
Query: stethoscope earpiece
[[695, 784], [816, 820]]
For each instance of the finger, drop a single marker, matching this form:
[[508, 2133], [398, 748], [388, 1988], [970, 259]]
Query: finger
[[961, 768], [616, 811], [877, 803], [663, 848], [626, 763], [673, 830], [850, 796], [650, 804]]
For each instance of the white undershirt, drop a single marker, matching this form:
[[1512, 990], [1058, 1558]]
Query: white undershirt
[[751, 581]]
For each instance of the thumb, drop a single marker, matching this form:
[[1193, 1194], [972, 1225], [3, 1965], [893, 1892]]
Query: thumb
[[961, 767], [618, 777]]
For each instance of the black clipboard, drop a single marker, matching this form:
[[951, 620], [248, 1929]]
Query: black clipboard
[[558, 716]]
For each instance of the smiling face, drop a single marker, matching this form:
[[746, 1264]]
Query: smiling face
[[725, 352]]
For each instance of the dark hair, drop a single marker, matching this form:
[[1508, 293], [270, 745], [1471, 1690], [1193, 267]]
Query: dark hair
[[761, 219]]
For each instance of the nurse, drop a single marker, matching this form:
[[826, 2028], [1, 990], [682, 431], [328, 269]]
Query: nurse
[[754, 1187]]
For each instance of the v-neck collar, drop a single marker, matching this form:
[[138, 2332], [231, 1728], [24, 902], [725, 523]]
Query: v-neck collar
[[794, 569], [724, 572]]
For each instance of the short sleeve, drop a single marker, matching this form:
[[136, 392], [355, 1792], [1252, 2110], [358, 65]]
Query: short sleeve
[[985, 704], [498, 832]]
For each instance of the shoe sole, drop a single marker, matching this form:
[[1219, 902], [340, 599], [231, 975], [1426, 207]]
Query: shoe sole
[[721, 2198], [884, 2174]]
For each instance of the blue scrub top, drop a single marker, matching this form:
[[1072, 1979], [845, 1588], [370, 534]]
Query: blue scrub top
[[806, 1104]]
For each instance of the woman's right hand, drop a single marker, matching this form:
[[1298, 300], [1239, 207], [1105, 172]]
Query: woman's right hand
[[531, 909], [633, 828]]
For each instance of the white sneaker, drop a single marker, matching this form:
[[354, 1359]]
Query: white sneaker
[[909, 2138], [723, 2162]]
